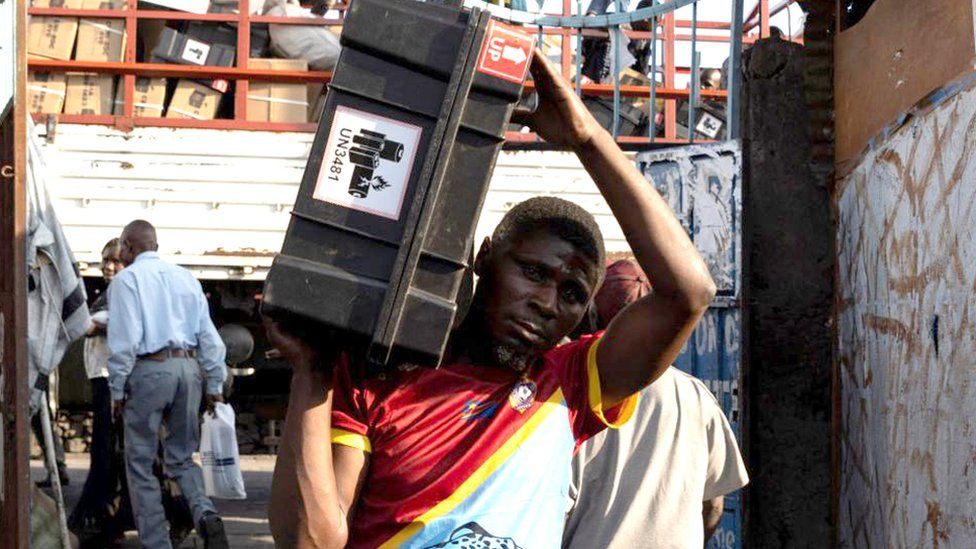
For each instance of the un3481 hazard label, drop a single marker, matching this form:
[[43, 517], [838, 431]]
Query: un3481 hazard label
[[367, 162]]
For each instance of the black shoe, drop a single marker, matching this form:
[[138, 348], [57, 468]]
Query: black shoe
[[211, 529]]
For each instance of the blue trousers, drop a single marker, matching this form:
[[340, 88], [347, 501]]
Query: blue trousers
[[163, 393]]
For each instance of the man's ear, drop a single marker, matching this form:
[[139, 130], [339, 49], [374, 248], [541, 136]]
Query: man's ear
[[481, 260]]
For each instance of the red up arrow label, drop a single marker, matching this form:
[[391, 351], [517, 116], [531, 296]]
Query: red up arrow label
[[506, 52]]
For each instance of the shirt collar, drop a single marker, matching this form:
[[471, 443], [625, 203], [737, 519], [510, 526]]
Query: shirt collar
[[146, 255]]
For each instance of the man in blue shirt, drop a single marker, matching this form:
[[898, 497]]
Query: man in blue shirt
[[163, 344]]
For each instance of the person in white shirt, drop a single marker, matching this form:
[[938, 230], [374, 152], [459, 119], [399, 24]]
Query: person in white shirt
[[659, 480], [98, 514]]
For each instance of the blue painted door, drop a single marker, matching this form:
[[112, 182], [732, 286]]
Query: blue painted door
[[702, 185]]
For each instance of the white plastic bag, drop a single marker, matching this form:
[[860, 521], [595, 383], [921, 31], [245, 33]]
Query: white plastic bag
[[222, 477], [313, 43]]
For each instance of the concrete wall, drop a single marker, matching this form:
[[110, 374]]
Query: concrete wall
[[906, 319], [787, 249]]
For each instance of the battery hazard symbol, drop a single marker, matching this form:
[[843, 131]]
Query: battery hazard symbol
[[367, 162], [366, 154], [506, 52]]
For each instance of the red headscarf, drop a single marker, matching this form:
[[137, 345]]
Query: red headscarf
[[624, 284]]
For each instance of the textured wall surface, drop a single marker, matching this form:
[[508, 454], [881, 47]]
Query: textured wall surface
[[906, 245], [702, 185], [787, 286]]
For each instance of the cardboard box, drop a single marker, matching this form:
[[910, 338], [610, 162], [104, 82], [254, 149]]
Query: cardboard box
[[148, 32], [190, 6], [45, 92], [89, 93], [316, 101], [630, 77], [277, 102], [100, 40], [51, 37], [148, 100], [69, 4], [193, 100], [102, 4]]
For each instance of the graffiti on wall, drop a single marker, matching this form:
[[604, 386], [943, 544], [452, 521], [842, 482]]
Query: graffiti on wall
[[906, 322], [701, 185]]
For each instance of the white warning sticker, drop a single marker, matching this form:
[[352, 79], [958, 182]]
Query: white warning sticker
[[367, 162], [195, 52]]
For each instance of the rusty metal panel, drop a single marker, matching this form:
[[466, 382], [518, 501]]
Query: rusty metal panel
[[702, 185], [906, 323]]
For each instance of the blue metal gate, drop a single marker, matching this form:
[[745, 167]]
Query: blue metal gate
[[701, 183]]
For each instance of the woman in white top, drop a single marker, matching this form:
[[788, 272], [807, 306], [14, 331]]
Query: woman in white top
[[101, 516]]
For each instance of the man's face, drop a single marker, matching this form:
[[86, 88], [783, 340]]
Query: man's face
[[536, 290], [111, 263], [712, 80], [126, 252]]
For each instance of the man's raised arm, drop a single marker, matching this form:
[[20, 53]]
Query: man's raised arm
[[307, 508], [646, 337]]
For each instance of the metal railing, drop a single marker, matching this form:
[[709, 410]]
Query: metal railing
[[569, 26]]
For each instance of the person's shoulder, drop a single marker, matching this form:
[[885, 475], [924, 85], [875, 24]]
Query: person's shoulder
[[358, 374], [181, 271], [175, 267], [125, 277], [564, 351], [693, 387]]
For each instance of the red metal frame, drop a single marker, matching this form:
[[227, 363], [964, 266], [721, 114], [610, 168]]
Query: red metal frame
[[760, 15], [242, 74]]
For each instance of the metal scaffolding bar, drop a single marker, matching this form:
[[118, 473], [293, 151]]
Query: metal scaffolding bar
[[617, 39], [734, 75], [695, 76], [15, 519], [576, 24], [579, 52], [652, 121]]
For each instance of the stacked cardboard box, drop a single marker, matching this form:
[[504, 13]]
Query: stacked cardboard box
[[101, 39], [98, 39], [190, 6], [45, 92], [52, 37], [193, 100], [89, 93], [148, 100], [277, 102], [316, 101]]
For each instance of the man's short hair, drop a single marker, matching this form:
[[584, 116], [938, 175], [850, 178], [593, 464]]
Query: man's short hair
[[563, 218]]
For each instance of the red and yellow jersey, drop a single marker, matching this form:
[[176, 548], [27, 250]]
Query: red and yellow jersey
[[470, 454]]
